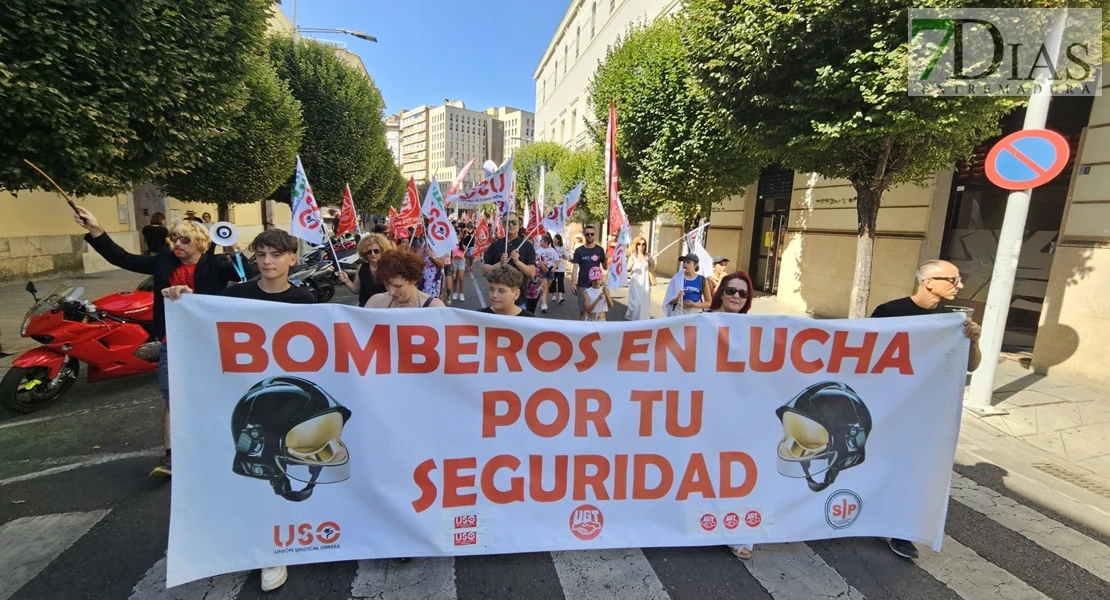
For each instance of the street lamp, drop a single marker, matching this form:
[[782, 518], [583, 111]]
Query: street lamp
[[352, 32]]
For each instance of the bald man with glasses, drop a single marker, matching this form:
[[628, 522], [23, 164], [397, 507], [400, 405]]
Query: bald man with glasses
[[937, 281]]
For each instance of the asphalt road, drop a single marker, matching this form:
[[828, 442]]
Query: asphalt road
[[80, 518]]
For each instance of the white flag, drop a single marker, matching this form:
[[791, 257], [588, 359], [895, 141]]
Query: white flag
[[307, 223], [556, 220], [441, 236]]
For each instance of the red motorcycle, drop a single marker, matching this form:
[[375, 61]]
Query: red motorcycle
[[111, 336]]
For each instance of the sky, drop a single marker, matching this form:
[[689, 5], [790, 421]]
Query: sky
[[429, 50]]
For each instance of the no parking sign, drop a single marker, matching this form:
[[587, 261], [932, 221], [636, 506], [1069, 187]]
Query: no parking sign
[[1027, 159]]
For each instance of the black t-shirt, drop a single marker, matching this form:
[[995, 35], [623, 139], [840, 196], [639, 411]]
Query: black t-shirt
[[155, 236], [251, 291], [903, 307], [367, 285], [586, 259], [522, 313], [527, 256]]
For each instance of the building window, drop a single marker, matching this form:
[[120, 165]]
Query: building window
[[566, 52], [593, 19], [577, 40], [556, 74]]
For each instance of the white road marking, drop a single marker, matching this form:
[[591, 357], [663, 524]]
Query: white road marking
[[153, 586], [615, 574], [99, 460], [416, 579], [794, 570], [478, 291], [972, 576], [28, 544], [1053, 536], [78, 413]]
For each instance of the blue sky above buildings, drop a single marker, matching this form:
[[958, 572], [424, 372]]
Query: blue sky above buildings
[[483, 53]]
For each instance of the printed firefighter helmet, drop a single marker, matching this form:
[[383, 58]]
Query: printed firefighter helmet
[[825, 430], [288, 428]]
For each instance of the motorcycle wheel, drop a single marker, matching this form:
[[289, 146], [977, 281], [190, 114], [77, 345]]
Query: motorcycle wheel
[[17, 397], [325, 292]]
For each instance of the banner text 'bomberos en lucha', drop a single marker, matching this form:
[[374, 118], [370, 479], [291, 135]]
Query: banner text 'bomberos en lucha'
[[322, 433]]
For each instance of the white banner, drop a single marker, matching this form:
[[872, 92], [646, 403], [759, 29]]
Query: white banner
[[325, 433], [441, 235], [497, 188]]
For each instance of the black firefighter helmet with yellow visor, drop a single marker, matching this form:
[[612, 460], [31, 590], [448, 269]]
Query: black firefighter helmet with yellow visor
[[288, 428], [825, 428]]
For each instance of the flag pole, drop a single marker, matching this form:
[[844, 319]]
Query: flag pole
[[680, 238]]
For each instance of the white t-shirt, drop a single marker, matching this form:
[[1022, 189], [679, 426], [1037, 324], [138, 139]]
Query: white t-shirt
[[591, 295], [564, 256], [546, 255]]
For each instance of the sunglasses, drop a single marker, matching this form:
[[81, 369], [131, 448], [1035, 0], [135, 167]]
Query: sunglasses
[[180, 238], [514, 223], [589, 235], [952, 280], [374, 251], [731, 291]]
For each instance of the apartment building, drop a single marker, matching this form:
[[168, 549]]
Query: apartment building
[[587, 30], [393, 136], [414, 143], [518, 129]]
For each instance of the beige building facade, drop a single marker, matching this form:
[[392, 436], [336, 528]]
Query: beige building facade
[[795, 234], [587, 30]]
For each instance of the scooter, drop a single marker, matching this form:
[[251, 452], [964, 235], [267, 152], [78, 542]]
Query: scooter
[[112, 336]]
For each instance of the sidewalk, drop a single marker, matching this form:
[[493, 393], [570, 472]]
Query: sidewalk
[[1061, 419]]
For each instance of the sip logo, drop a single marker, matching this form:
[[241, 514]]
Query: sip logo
[[306, 535], [466, 538], [586, 522], [842, 509], [466, 521]]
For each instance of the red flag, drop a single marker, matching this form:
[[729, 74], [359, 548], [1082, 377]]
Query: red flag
[[535, 221], [500, 227], [409, 215], [481, 237], [616, 216], [458, 180], [347, 220]]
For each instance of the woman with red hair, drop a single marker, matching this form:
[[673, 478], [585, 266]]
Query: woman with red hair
[[400, 269], [733, 295]]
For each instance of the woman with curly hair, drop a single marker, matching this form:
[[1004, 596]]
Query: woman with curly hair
[[365, 283], [400, 269]]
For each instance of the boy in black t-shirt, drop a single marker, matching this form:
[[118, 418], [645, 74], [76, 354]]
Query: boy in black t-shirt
[[504, 290], [275, 252]]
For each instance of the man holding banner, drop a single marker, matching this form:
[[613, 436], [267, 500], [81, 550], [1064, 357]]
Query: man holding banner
[[515, 251]]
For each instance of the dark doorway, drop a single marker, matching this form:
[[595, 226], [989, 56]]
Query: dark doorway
[[975, 211], [771, 219]]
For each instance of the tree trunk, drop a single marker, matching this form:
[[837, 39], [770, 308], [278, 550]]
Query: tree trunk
[[867, 212]]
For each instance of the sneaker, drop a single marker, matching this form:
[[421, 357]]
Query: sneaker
[[543, 308], [163, 468], [273, 578], [454, 296], [903, 548], [561, 299], [462, 297]]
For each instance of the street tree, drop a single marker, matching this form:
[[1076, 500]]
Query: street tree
[[585, 164], [824, 86], [674, 152], [106, 94], [256, 154], [342, 111], [371, 195], [527, 161]]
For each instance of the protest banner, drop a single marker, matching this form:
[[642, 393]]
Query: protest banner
[[495, 189], [325, 433]]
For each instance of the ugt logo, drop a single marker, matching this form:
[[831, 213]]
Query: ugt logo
[[305, 534]]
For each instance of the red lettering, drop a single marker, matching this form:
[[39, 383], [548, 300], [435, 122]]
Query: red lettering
[[285, 334], [231, 349]]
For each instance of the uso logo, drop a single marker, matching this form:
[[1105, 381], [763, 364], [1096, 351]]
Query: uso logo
[[305, 534], [586, 522], [842, 509], [466, 538], [466, 521]]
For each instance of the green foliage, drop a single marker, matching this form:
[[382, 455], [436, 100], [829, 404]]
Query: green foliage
[[395, 193], [673, 150], [342, 111], [255, 156], [109, 93], [527, 161], [371, 196], [586, 164]]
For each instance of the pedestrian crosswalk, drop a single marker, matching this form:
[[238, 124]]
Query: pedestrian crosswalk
[[31, 546]]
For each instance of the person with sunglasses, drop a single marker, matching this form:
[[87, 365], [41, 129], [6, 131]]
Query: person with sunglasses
[[520, 254], [586, 257], [733, 295], [937, 281], [370, 249], [186, 262]]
